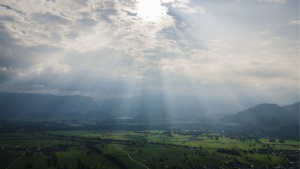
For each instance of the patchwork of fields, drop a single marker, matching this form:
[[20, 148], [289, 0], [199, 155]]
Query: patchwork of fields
[[144, 149]]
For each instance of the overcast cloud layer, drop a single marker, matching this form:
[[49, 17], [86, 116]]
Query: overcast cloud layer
[[236, 50]]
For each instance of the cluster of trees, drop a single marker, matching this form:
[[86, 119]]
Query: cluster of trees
[[228, 151], [93, 148], [115, 161], [52, 161], [81, 165], [29, 165]]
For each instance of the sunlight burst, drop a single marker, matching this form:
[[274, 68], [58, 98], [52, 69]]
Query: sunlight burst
[[150, 11]]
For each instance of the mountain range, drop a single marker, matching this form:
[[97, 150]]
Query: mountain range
[[267, 119], [146, 106], [42, 105], [263, 119], [46, 105], [267, 114]]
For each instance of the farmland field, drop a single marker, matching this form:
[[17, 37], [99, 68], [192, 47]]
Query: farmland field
[[143, 149]]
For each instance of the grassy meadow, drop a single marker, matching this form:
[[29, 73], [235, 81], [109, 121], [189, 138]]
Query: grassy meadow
[[140, 149]]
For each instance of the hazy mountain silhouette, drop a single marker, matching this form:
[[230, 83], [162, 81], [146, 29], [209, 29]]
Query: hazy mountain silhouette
[[268, 118], [43, 105], [268, 114], [142, 107], [294, 108], [46, 105]]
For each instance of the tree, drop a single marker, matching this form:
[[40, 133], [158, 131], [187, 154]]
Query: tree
[[48, 162], [54, 160], [29, 165]]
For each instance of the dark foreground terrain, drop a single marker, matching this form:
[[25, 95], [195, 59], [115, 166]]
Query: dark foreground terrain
[[71, 144]]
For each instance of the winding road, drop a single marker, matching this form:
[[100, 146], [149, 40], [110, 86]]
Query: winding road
[[131, 157], [13, 162]]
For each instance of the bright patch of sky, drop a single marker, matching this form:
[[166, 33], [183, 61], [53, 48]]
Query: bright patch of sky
[[237, 50]]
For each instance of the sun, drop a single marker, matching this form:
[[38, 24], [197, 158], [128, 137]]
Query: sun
[[150, 10]]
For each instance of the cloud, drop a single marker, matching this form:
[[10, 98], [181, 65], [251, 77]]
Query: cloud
[[18, 12], [186, 6], [274, 1], [294, 22], [48, 19], [115, 49], [87, 27]]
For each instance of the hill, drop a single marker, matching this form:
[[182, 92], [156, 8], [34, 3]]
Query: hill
[[294, 108], [141, 107], [43, 105], [270, 119]]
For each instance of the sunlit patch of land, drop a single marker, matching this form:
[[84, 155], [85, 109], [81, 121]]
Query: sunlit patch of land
[[83, 147]]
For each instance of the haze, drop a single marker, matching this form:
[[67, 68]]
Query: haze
[[238, 52]]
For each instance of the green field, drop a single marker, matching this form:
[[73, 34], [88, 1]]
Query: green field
[[141, 149]]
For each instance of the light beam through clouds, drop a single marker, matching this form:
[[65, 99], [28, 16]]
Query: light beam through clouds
[[238, 52]]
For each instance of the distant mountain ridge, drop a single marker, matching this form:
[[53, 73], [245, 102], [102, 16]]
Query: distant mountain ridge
[[294, 108], [43, 105], [268, 118], [266, 112], [264, 119], [47, 105]]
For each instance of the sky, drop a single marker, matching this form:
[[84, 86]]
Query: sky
[[236, 51]]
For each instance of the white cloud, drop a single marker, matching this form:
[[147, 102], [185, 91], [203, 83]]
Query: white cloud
[[3, 68], [45, 68], [112, 46], [185, 6], [274, 1], [294, 22]]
